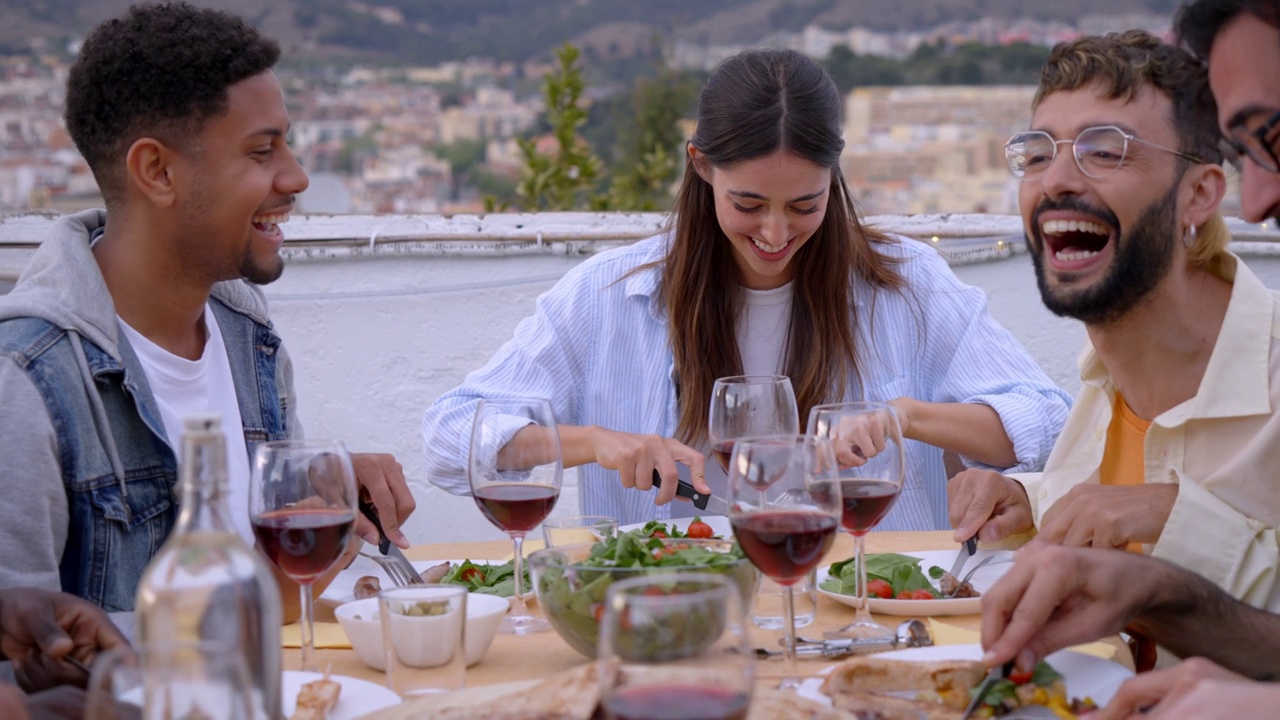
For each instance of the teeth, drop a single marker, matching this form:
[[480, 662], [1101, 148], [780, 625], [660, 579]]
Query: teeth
[[271, 219], [767, 248], [1057, 227], [1077, 255]]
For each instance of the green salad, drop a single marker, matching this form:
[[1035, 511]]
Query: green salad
[[487, 579], [572, 591], [902, 572]]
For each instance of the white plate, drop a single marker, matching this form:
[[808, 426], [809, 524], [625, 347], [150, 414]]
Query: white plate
[[1084, 675], [359, 697], [719, 523], [340, 590], [981, 580]]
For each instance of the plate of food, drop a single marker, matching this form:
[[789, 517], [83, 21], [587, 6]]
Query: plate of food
[[307, 695], [680, 527], [911, 584], [930, 680], [363, 578]]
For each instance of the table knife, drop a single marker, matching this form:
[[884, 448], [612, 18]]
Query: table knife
[[703, 501], [967, 549]]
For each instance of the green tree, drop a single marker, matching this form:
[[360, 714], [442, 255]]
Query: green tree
[[565, 178], [649, 156]]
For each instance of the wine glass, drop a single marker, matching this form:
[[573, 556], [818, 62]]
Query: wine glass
[[673, 645], [302, 505], [785, 508], [515, 470], [749, 405], [867, 440]]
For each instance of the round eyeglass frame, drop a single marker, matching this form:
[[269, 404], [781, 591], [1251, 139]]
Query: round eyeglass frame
[[1018, 168]]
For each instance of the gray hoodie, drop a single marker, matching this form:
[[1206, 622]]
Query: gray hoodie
[[64, 286]]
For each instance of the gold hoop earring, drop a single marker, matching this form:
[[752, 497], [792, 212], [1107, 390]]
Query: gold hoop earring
[[1189, 237]]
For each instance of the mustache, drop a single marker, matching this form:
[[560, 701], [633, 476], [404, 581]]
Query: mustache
[[1072, 203]]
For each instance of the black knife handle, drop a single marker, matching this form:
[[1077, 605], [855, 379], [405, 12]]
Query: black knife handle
[[685, 490], [368, 510]]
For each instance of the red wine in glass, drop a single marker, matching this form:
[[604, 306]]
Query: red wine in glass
[[722, 452], [866, 502], [516, 507], [678, 702], [303, 543], [785, 545]]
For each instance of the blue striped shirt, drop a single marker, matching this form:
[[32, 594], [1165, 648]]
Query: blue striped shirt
[[597, 346]]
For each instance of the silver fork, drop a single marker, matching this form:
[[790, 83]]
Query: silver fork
[[392, 567], [969, 574]]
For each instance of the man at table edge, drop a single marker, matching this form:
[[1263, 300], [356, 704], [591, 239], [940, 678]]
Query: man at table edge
[[1175, 421], [126, 319], [1054, 596]]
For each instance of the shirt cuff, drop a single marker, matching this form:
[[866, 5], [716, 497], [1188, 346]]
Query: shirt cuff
[[1025, 427]]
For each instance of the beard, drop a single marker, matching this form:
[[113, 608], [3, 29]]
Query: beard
[[1142, 259], [260, 272]]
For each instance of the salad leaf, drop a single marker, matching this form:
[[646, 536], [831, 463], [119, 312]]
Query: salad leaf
[[1044, 675], [489, 579], [902, 572]]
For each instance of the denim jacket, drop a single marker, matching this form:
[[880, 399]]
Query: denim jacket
[[89, 481]]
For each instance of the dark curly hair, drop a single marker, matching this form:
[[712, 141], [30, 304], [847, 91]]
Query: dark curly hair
[[160, 71], [1198, 23]]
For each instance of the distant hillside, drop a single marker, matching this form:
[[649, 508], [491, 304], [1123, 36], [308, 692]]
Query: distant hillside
[[431, 31]]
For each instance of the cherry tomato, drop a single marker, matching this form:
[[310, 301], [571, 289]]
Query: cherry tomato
[[699, 529], [880, 588], [904, 595], [1021, 677], [658, 534], [921, 594], [598, 611], [470, 573]]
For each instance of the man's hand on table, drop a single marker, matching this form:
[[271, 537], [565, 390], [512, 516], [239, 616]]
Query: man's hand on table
[[1054, 597], [987, 505], [40, 627], [1194, 688], [382, 479], [1109, 516]]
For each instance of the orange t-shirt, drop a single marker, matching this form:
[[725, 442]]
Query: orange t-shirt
[[1122, 460]]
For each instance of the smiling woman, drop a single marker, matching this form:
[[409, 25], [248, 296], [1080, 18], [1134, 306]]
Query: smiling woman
[[764, 269]]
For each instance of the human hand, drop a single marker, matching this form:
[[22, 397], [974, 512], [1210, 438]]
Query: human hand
[[381, 478], [636, 457], [1055, 596], [1109, 516], [13, 703], [987, 505], [38, 628], [1194, 688], [856, 438]]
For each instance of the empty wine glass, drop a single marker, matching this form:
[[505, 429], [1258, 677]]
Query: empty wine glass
[[867, 440], [515, 469], [747, 406], [673, 645], [302, 504], [785, 508]]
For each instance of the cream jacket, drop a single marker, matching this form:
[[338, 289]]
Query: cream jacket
[[1222, 447]]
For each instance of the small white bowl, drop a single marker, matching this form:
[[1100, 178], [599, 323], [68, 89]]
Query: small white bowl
[[359, 620]]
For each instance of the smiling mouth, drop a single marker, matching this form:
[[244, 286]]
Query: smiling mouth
[[269, 223], [767, 248], [1074, 240]]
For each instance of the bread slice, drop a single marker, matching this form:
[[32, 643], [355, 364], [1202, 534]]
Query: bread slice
[[774, 704], [569, 695], [868, 673]]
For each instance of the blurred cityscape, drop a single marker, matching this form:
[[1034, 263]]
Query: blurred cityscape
[[379, 139]]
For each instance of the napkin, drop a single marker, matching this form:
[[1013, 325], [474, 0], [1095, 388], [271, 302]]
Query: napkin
[[327, 635], [947, 634]]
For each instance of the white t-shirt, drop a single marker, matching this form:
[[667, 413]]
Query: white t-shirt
[[183, 387], [762, 334]]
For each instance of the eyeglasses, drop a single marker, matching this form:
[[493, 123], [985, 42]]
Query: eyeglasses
[[1098, 151], [1258, 143]]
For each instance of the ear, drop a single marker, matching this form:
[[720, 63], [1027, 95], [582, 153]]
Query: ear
[[700, 163], [149, 164], [1206, 187]]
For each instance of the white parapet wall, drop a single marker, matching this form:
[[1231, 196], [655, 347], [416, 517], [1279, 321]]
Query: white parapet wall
[[382, 314]]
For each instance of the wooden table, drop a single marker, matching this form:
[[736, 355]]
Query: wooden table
[[540, 655]]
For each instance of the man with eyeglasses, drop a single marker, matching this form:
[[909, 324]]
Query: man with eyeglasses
[[1173, 433]]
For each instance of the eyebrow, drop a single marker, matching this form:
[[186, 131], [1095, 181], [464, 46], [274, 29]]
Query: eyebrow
[[1088, 125], [758, 196], [1246, 112], [270, 132]]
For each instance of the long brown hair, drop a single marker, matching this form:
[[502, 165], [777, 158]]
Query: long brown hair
[[754, 104]]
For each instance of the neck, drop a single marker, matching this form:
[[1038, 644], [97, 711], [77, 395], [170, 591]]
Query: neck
[[1157, 352], [149, 286]]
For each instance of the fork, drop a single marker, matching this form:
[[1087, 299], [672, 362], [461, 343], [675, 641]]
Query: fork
[[969, 574], [392, 567]]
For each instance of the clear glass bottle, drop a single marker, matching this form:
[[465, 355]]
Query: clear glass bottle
[[205, 584]]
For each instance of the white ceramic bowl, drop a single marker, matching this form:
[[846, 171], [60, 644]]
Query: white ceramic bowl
[[359, 620]]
